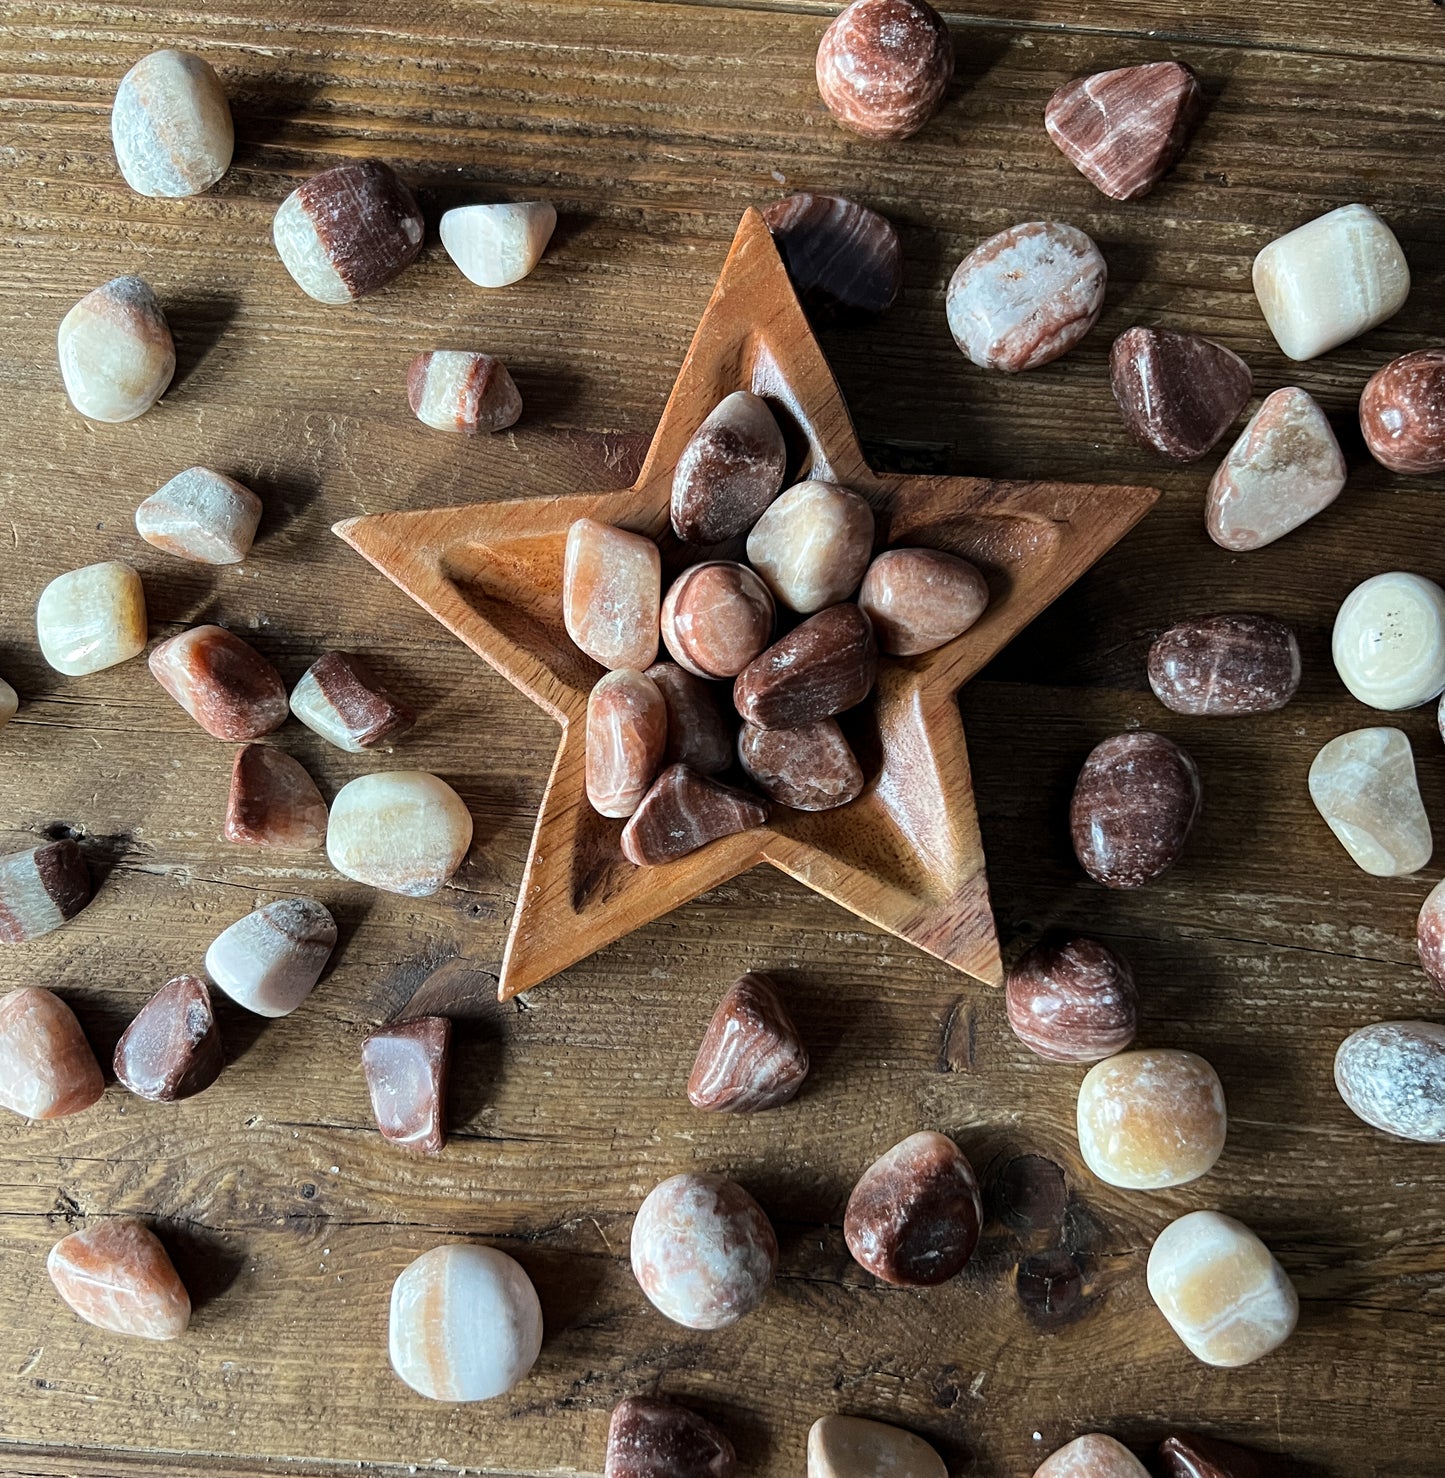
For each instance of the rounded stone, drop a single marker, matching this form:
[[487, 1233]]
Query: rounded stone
[[498, 244], [626, 736], [116, 351], [403, 831], [883, 66], [703, 1251], [117, 1276], [716, 617], [1389, 641], [730, 470], [1364, 785], [1092, 1456], [812, 545], [853, 1447], [810, 768], [920, 599], [91, 618], [1392, 1075], [1073, 999], [1402, 413], [47, 1069], [1430, 936], [1224, 666], [171, 125], [270, 960]]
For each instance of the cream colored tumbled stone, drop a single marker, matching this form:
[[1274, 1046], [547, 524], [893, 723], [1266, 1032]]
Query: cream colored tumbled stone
[[1389, 641], [171, 125], [496, 245], [403, 831], [270, 961], [202, 516], [1364, 785], [1330, 280], [612, 594], [9, 703], [91, 618], [812, 545], [1221, 1289], [116, 351], [852, 1447], [1092, 1456]]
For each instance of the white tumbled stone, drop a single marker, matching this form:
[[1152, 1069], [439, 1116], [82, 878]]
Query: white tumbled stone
[[116, 351], [171, 125], [1389, 641], [1363, 784], [403, 831], [496, 245], [202, 516], [91, 618], [270, 961]]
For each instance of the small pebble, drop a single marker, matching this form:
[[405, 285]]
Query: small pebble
[[752, 1057], [1224, 666], [1285, 468], [117, 1276], [914, 1217], [456, 390], [612, 594], [1123, 130], [1430, 935], [626, 736], [406, 1068], [1389, 641], [699, 735], [658, 1439], [116, 352], [1178, 393], [348, 231], [172, 1049], [1073, 999], [171, 125], [729, 471], [1392, 1075], [703, 1251], [402, 831], [47, 1069], [919, 599], [1025, 296], [202, 516], [810, 768], [716, 617], [842, 258], [819, 669], [9, 703], [1330, 280], [1221, 1289], [1188, 1455], [1092, 1456], [224, 683], [41, 889], [1135, 803], [91, 618], [340, 698], [1363, 784], [883, 67], [1151, 1119], [273, 801], [683, 811], [466, 1324], [497, 245], [853, 1447], [812, 545], [1402, 413], [270, 961]]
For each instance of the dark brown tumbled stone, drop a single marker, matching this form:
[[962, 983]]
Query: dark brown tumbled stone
[[810, 768], [729, 471], [1188, 1455], [1073, 999], [820, 668], [172, 1049], [1221, 666], [1178, 393], [842, 257], [1402, 413], [406, 1067], [699, 735], [345, 702], [40, 889], [1134, 804], [883, 66], [684, 811], [752, 1057], [658, 1439]]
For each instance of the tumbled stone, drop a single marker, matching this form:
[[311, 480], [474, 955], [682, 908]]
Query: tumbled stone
[[729, 471], [41, 889], [1330, 280], [1073, 999], [1134, 805], [270, 961], [273, 801], [698, 734], [202, 516], [1389, 641], [812, 545], [1123, 130], [224, 683], [703, 1251], [853, 1447], [820, 668], [340, 698], [1430, 935], [659, 1439], [172, 1049], [499, 244], [918, 599], [348, 231], [406, 1067], [612, 594], [403, 831], [1285, 468], [716, 617], [116, 1275], [1178, 393], [1223, 666], [1392, 1075], [1363, 783], [752, 1057], [810, 768], [116, 351], [1092, 1456], [9, 703], [466, 1324], [1025, 296], [842, 257], [1402, 413], [914, 1217], [171, 125], [626, 735], [47, 1069], [883, 67], [458, 390], [1221, 1289], [1150, 1119], [91, 618], [1188, 1455], [683, 811]]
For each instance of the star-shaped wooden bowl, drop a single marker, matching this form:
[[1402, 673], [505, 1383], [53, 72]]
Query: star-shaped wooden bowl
[[907, 854]]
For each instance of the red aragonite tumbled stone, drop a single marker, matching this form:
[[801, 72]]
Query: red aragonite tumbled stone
[[47, 1069], [1223, 666], [918, 599], [1177, 393], [406, 1068], [273, 801], [611, 594], [658, 1439], [1073, 999], [716, 618], [883, 66], [626, 734], [842, 257], [116, 1275], [1188, 1455], [729, 471], [699, 735], [810, 768], [224, 683], [820, 668], [1402, 413], [684, 811], [1092, 1456], [752, 1057], [172, 1049]]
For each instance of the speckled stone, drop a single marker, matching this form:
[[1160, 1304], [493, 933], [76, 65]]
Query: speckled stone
[[171, 125], [810, 768], [612, 594], [1402, 413], [919, 599], [461, 390], [224, 683], [91, 618], [659, 1439], [116, 352], [1178, 393], [1430, 935], [1225, 666], [716, 617], [270, 960], [683, 811], [1389, 641], [842, 258], [47, 1069], [116, 1275], [853, 1447], [1092, 1456], [729, 471], [498, 244], [883, 67], [172, 1048], [699, 733], [201, 516], [406, 1067], [752, 1057], [819, 669], [1392, 1075], [273, 801], [1363, 784], [626, 736], [1073, 999], [41, 888], [340, 698], [403, 831], [812, 545]]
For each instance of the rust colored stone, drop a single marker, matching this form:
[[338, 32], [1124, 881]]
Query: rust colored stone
[[810, 768], [820, 668], [752, 1057], [842, 257], [273, 801], [116, 1275], [225, 684], [47, 1069], [41, 889], [699, 735], [172, 1049], [658, 1439], [406, 1068], [730, 470], [1072, 999], [1402, 413], [1178, 393], [716, 617], [918, 599], [1222, 666], [883, 67], [340, 698], [626, 735], [684, 811]]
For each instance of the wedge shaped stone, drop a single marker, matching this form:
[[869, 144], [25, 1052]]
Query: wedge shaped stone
[[273, 801], [340, 698], [1177, 393], [612, 594], [201, 516], [683, 811], [41, 889], [853, 1447], [842, 257], [699, 734], [496, 245], [406, 1067], [752, 1057]]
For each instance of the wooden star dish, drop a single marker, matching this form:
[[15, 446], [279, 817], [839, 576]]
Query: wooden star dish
[[907, 854]]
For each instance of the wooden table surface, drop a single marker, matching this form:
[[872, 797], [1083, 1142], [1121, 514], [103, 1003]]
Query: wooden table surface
[[652, 126]]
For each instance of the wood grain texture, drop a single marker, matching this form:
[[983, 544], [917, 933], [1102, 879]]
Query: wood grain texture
[[652, 127]]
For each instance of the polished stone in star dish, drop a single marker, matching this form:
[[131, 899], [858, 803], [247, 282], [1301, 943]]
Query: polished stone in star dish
[[1178, 393], [683, 811], [626, 735], [810, 768], [612, 594], [842, 257], [919, 599], [729, 471], [716, 617], [699, 733], [812, 545], [819, 669]]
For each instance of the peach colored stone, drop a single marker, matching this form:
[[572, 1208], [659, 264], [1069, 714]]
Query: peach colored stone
[[918, 599], [224, 683], [716, 618], [117, 1276], [812, 545], [47, 1069], [612, 594], [853, 1447], [1092, 1456], [273, 801], [626, 735]]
